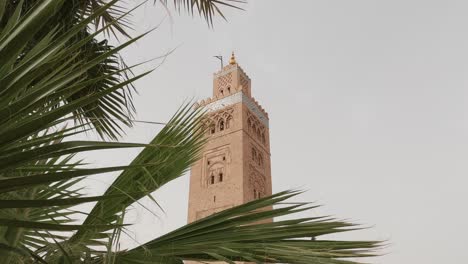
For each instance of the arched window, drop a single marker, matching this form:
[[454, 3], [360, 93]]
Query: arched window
[[220, 177], [228, 122], [221, 125], [212, 179], [222, 92], [258, 133], [229, 89], [263, 138], [212, 128]]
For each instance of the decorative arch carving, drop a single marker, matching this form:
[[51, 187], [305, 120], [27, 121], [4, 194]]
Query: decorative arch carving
[[256, 129], [254, 154], [257, 159], [257, 182], [212, 128], [216, 173], [219, 121], [216, 167], [224, 83], [221, 124], [229, 121]]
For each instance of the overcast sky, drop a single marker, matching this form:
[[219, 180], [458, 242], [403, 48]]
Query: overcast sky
[[367, 105]]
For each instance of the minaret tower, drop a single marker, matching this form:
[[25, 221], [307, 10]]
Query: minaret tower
[[235, 164]]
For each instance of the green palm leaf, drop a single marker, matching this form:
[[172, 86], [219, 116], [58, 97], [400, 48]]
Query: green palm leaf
[[115, 105], [241, 234], [33, 85], [207, 9], [111, 113], [180, 142]]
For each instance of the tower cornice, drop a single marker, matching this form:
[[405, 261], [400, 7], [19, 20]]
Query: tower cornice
[[215, 104]]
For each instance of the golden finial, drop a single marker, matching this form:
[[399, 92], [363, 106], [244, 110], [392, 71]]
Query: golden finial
[[233, 59]]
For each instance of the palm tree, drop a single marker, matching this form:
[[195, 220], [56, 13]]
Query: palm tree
[[111, 113], [48, 78]]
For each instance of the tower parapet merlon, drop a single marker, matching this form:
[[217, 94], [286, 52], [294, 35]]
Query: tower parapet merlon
[[217, 97]]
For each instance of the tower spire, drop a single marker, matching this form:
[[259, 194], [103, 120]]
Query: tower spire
[[233, 59]]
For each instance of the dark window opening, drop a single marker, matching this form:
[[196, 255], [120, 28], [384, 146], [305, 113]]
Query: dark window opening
[[212, 129], [224, 158], [220, 176], [255, 194], [212, 179], [221, 125], [214, 198], [229, 89], [208, 162]]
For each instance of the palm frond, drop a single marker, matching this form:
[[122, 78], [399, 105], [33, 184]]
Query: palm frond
[[178, 146], [37, 79], [84, 49], [207, 9], [246, 233]]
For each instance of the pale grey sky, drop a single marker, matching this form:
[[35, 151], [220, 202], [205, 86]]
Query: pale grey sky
[[367, 103]]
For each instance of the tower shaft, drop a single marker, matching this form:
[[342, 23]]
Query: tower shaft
[[235, 164]]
